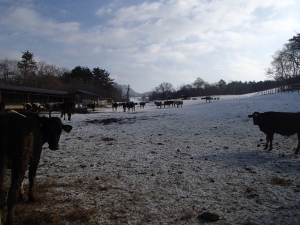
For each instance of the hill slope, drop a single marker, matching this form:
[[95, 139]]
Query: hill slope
[[132, 93]]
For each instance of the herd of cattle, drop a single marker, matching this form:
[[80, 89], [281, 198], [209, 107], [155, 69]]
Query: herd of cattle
[[131, 105], [23, 134]]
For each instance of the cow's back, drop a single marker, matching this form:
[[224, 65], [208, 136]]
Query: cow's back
[[18, 132], [280, 122]]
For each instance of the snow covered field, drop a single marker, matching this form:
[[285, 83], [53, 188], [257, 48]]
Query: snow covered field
[[167, 166]]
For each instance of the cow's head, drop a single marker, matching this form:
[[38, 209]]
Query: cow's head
[[52, 128], [256, 117]]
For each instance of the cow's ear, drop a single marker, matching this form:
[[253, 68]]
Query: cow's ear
[[67, 128], [250, 116], [255, 114]]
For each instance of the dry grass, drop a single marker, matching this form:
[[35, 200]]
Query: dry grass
[[52, 207], [280, 181]]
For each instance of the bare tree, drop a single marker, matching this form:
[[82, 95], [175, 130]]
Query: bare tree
[[165, 90], [8, 70], [285, 65]]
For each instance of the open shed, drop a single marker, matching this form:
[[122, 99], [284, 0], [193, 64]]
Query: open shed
[[17, 95]]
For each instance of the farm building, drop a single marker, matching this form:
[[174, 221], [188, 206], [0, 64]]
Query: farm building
[[15, 96]]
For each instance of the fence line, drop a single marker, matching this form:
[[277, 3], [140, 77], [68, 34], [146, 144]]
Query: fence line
[[282, 89]]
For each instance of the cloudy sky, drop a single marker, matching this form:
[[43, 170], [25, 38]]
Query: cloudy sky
[[146, 43]]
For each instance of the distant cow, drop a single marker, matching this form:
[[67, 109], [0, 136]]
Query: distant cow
[[27, 107], [169, 103], [124, 106], [2, 107], [91, 105], [32, 107], [130, 105], [67, 108], [277, 122], [22, 137], [35, 107], [158, 104], [178, 103], [53, 106], [142, 104], [208, 98], [114, 106]]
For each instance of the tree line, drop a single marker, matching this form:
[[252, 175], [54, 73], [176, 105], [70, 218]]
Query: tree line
[[28, 72], [201, 88], [284, 70]]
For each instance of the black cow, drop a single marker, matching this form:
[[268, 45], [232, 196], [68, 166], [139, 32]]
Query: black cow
[[158, 104], [282, 123], [115, 106], [91, 105], [130, 105], [142, 104], [169, 103], [67, 108], [35, 107], [207, 98], [2, 107], [22, 137], [53, 106]]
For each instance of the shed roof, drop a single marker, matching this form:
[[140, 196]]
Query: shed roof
[[11, 88], [84, 93]]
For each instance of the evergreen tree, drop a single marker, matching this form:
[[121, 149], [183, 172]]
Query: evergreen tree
[[27, 64]]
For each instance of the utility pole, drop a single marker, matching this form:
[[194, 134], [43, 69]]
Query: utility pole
[[127, 95]]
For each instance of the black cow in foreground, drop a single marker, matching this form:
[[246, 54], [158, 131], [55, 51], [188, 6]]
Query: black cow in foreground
[[282, 123], [67, 108], [22, 137]]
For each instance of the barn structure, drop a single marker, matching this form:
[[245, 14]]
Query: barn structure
[[17, 95]]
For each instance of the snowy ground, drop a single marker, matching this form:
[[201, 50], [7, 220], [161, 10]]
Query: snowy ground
[[167, 166]]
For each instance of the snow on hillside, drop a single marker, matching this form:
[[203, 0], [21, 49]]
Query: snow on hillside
[[167, 166]]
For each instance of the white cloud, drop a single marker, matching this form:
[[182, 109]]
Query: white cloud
[[167, 38]]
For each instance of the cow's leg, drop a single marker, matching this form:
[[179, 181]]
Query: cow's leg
[[2, 185], [21, 193], [69, 116], [31, 176], [267, 143], [298, 147], [269, 139], [17, 176]]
